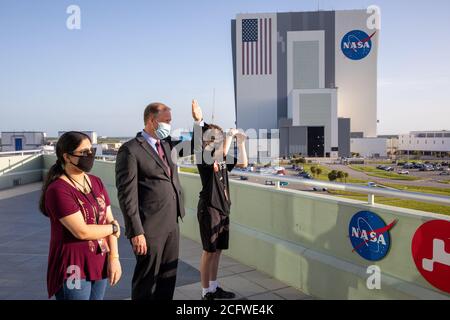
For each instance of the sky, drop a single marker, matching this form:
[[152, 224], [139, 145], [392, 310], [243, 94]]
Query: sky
[[129, 53]]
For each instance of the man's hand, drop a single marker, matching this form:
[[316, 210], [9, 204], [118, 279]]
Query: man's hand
[[139, 245], [196, 111]]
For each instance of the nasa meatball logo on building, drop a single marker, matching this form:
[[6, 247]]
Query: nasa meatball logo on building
[[356, 44], [369, 235]]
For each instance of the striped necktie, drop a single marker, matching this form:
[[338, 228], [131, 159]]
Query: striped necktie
[[163, 156]]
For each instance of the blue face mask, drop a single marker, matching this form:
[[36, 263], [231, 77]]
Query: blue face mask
[[163, 130]]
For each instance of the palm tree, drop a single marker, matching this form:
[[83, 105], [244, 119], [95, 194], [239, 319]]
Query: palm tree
[[313, 171], [345, 176], [318, 171]]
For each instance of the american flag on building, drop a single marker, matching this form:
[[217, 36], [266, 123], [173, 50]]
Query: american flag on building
[[257, 46]]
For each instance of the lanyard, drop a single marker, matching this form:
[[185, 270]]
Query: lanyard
[[94, 208]]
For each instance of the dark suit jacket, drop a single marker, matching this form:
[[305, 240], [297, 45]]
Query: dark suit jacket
[[151, 201]]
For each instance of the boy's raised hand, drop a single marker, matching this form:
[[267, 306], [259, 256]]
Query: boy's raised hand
[[196, 111]]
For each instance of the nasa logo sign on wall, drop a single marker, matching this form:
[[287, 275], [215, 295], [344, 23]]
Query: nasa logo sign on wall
[[369, 235], [356, 44], [431, 253]]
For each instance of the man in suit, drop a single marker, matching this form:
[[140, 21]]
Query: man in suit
[[150, 198]]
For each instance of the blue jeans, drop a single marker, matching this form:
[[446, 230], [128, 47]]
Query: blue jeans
[[89, 290]]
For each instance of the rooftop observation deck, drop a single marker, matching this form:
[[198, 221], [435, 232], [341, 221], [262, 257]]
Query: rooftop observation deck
[[24, 238], [284, 244]]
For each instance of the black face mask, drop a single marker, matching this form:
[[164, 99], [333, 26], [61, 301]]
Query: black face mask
[[85, 163]]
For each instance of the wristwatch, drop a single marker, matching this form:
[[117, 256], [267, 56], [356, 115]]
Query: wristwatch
[[115, 228]]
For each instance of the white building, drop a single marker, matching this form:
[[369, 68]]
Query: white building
[[369, 147], [92, 135], [427, 143], [301, 73], [379, 147], [23, 140]]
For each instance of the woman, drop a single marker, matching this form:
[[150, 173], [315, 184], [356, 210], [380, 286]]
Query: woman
[[83, 252], [214, 203]]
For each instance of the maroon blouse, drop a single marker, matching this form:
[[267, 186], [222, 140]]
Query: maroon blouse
[[63, 199]]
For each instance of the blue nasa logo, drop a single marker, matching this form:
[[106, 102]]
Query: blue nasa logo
[[356, 44], [369, 235]]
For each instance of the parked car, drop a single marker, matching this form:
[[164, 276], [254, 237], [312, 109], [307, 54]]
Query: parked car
[[403, 172], [243, 178], [371, 184], [426, 167], [389, 169], [305, 175], [408, 166], [269, 183], [284, 183], [320, 189], [444, 173]]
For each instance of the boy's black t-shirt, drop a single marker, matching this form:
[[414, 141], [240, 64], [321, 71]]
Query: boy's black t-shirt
[[216, 191]]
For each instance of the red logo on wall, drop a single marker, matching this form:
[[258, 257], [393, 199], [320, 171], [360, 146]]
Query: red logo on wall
[[431, 253]]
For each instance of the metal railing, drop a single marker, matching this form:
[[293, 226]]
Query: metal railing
[[371, 192], [21, 153]]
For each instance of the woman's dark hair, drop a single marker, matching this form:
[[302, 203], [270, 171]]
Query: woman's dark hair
[[67, 143]]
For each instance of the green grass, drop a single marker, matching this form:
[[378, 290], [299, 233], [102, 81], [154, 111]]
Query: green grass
[[324, 175], [395, 202], [432, 190], [444, 181], [189, 170], [387, 162], [374, 172]]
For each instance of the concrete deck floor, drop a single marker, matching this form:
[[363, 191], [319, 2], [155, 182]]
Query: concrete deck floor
[[24, 238]]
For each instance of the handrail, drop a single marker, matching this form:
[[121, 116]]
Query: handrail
[[370, 191], [21, 152]]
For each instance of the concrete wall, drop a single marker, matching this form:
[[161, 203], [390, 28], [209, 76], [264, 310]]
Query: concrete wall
[[369, 147], [344, 137], [302, 239], [18, 170]]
